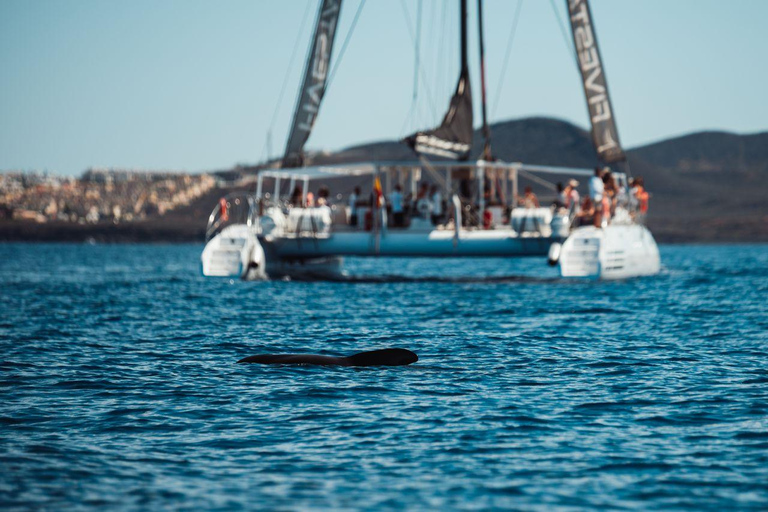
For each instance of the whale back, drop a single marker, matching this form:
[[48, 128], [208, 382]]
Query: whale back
[[384, 357], [295, 359]]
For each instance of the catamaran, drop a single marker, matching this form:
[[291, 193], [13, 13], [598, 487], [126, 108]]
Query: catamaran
[[279, 230]]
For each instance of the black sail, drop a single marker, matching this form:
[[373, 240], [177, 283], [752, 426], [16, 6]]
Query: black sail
[[315, 81], [605, 136], [453, 138]]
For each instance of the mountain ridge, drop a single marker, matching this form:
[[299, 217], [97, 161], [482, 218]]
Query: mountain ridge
[[706, 185]]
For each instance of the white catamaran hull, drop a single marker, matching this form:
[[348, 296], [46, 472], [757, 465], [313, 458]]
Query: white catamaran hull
[[234, 252], [612, 252]]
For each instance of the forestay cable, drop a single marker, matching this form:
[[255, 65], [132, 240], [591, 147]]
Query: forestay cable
[[346, 42], [290, 67], [510, 40], [421, 68], [564, 33]]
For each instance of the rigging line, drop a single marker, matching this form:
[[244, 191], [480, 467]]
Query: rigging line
[[344, 46], [417, 51], [410, 115], [431, 38], [564, 33], [290, 64], [536, 179], [421, 69], [263, 152], [510, 40], [440, 54], [299, 90]]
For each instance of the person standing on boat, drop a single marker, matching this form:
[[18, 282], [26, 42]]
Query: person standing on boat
[[642, 199], [561, 197], [297, 197], [353, 206], [596, 190], [396, 200], [609, 198], [437, 205], [632, 197], [572, 198], [587, 212], [323, 196], [423, 205], [529, 199]]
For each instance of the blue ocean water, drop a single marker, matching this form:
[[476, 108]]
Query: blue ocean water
[[119, 388]]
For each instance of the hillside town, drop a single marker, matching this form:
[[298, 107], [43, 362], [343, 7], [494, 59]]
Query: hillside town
[[98, 196]]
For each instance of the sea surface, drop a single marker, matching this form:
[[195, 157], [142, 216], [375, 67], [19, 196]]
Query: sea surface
[[119, 388]]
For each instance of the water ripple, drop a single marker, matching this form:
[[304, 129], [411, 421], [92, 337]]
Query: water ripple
[[120, 390]]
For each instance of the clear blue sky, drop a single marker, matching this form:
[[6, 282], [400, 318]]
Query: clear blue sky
[[193, 85]]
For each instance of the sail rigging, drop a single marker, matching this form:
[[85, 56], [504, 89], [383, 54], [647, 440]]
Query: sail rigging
[[453, 138], [314, 84], [605, 136]]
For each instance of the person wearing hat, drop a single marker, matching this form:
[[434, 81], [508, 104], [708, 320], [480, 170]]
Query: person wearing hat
[[572, 197]]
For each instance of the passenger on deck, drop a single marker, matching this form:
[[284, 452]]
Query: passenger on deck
[[622, 199], [609, 198], [297, 197], [572, 197], [642, 199], [423, 205], [396, 200], [529, 199], [596, 189], [632, 197], [611, 189], [560, 200], [585, 217], [353, 197], [323, 196], [437, 205]]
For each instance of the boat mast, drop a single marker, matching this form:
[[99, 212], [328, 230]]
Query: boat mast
[[486, 155], [463, 14]]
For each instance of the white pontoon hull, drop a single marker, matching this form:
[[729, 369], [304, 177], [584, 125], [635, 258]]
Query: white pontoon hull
[[234, 252], [612, 252]]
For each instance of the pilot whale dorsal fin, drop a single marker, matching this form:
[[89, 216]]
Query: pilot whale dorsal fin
[[384, 357]]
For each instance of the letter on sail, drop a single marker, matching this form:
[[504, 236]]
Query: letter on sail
[[605, 136], [315, 81]]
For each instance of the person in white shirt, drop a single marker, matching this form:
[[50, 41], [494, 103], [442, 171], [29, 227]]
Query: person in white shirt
[[596, 186], [353, 207], [437, 205], [396, 201], [596, 189]]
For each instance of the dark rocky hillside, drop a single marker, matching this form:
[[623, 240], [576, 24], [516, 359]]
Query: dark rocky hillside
[[706, 187]]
